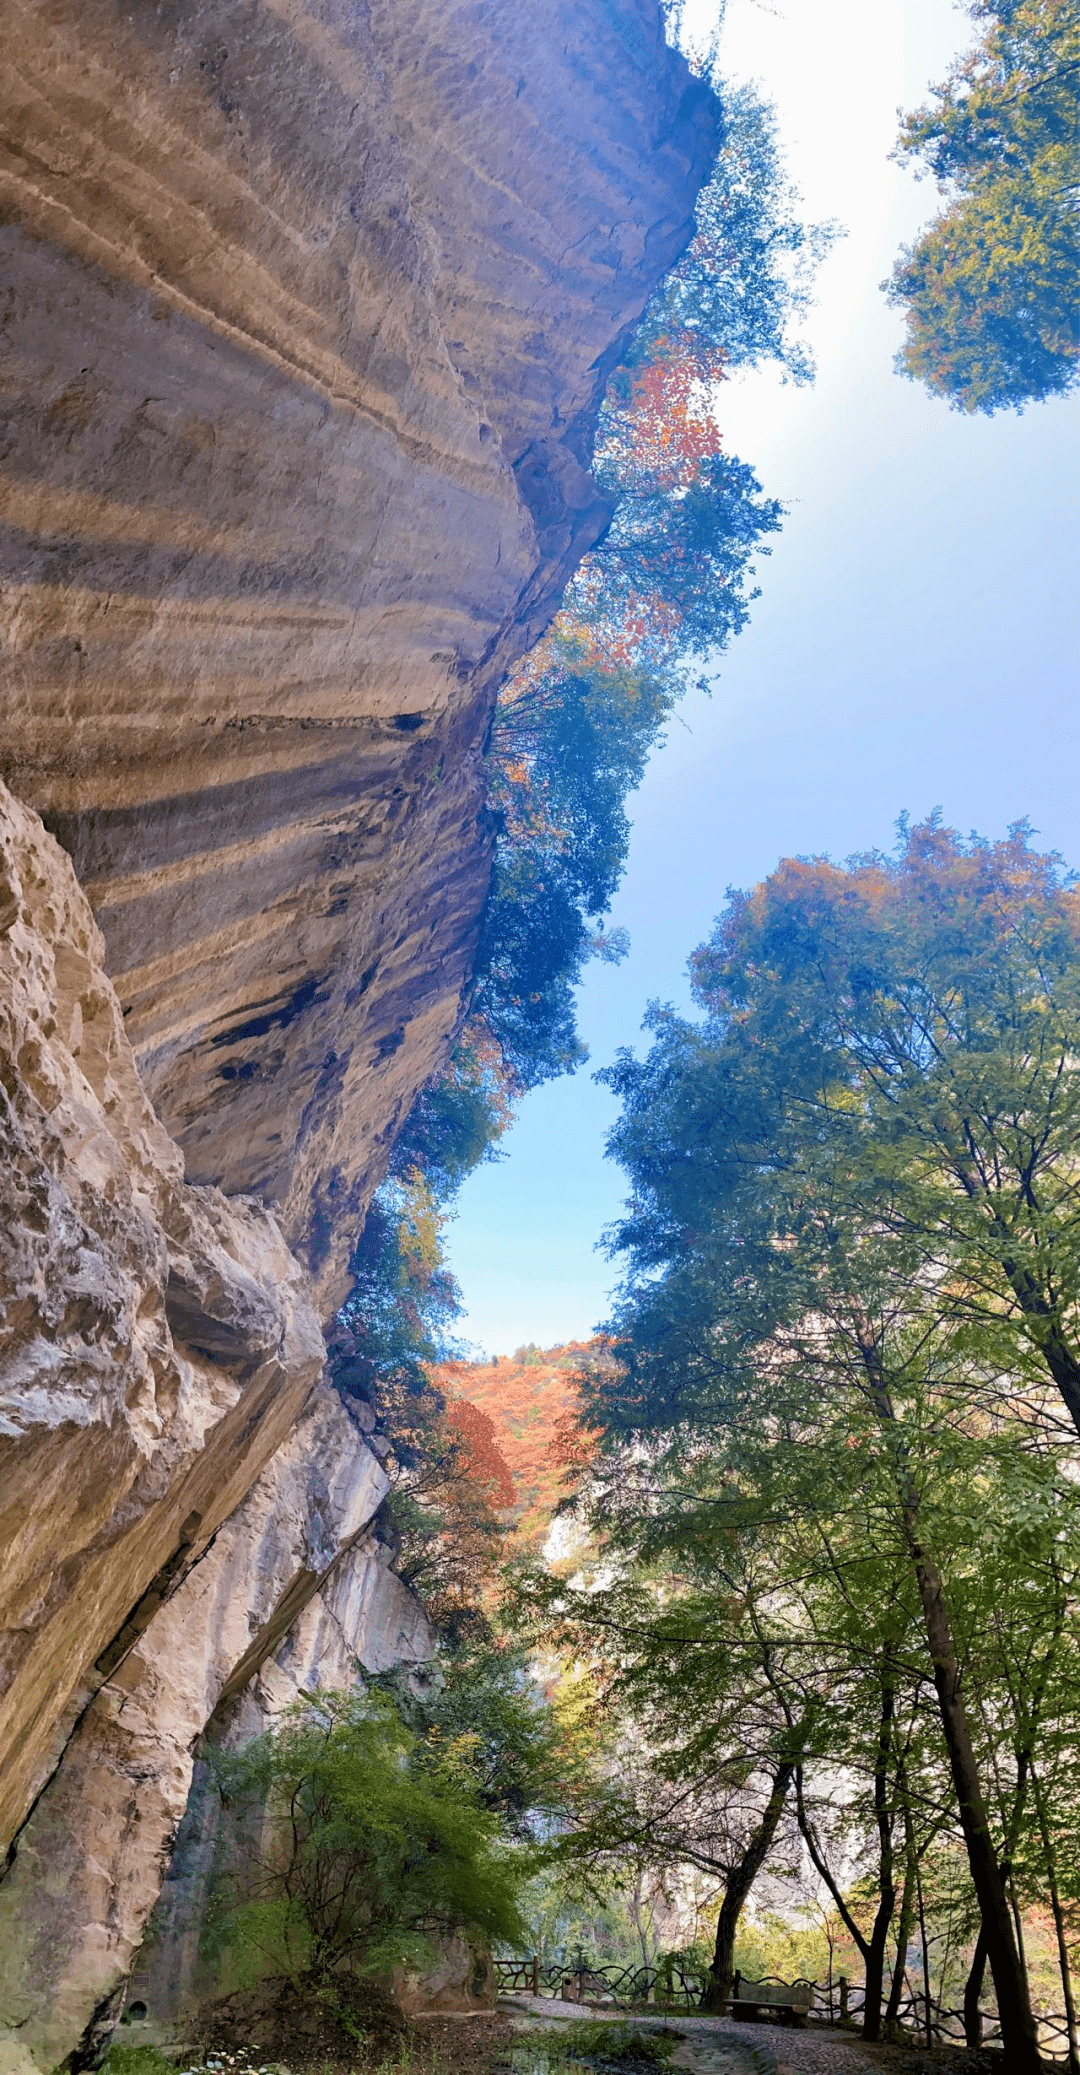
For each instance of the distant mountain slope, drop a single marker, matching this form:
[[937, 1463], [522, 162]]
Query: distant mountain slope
[[527, 1395]]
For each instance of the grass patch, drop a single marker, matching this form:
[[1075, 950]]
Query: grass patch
[[604, 2044], [137, 2060]]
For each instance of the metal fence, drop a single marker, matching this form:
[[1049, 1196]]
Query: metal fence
[[673, 1987]]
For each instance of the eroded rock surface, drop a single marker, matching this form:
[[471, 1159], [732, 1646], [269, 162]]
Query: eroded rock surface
[[360, 1613], [91, 1858], [157, 1343], [306, 314]]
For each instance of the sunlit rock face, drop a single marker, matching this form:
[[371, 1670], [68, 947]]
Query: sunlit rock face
[[157, 1343], [306, 314]]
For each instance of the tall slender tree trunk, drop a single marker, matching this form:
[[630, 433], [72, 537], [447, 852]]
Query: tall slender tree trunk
[[928, 2020], [1018, 2035], [903, 1931], [973, 1988], [740, 1881], [874, 1956], [1059, 1925]]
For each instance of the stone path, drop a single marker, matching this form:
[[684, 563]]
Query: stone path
[[724, 2046], [711, 2047]]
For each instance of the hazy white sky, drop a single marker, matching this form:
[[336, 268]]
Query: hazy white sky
[[915, 644]]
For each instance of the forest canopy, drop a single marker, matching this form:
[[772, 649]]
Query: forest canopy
[[834, 1487], [991, 290]]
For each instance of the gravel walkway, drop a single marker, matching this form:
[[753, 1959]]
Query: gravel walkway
[[727, 2046]]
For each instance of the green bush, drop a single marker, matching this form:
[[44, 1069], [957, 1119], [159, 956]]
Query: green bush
[[137, 2060], [355, 1846], [609, 2045]]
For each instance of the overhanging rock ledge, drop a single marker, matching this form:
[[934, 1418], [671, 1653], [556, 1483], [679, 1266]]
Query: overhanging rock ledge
[[306, 320]]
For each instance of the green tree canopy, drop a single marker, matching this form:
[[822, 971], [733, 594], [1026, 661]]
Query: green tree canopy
[[852, 1303], [991, 289], [372, 1841]]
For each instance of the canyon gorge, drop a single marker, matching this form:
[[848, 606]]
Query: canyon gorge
[[307, 315]]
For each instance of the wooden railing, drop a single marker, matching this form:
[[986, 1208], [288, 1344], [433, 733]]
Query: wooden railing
[[672, 1986]]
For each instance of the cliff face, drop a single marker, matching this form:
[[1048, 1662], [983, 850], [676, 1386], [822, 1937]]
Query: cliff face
[[185, 1506], [305, 319], [306, 310], [158, 1341]]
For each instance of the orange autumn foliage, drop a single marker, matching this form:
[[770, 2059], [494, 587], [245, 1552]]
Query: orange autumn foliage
[[529, 1401], [481, 1459], [667, 428]]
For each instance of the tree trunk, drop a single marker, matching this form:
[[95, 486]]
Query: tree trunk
[[874, 1956], [1059, 1926], [1018, 2035], [903, 1934], [973, 1988], [717, 1989]]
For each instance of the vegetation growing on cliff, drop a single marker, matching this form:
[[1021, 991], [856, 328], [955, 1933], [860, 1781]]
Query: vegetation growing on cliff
[[991, 289], [659, 598], [664, 592], [377, 1841]]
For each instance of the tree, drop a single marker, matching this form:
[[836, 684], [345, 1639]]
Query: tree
[[991, 289], [678, 565], [569, 742], [360, 1843], [666, 590], [445, 1514], [527, 1756], [924, 1017], [853, 1243], [747, 275]]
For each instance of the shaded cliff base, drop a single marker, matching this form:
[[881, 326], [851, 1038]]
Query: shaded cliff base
[[187, 1508]]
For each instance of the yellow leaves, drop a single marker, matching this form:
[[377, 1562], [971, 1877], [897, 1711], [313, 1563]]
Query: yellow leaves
[[420, 1225]]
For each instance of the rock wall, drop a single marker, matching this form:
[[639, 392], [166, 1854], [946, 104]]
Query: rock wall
[[306, 314], [181, 1496], [361, 1612], [305, 318], [91, 1859], [157, 1343]]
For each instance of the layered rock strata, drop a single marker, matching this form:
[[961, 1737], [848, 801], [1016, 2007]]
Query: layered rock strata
[[181, 1495], [307, 309], [157, 1343]]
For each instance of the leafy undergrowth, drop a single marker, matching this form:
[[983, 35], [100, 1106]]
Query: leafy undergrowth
[[601, 2044], [137, 2060], [285, 2029]]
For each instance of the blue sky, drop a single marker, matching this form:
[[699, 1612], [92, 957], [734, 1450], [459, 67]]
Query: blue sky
[[915, 644]]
